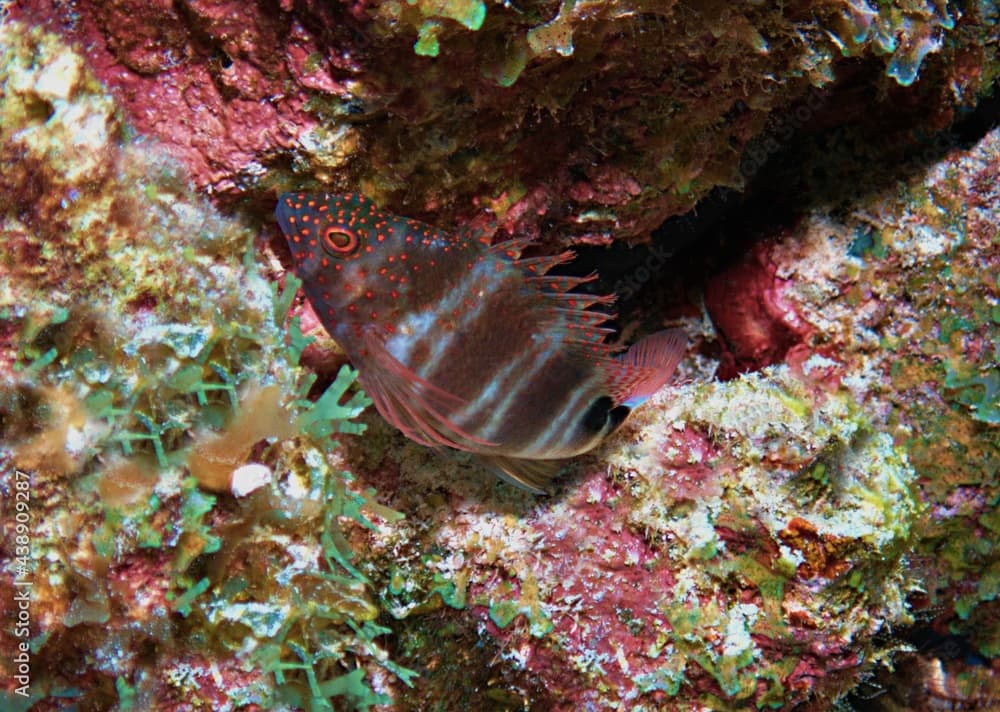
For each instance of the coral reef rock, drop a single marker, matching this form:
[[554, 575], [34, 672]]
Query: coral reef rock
[[199, 510], [587, 121]]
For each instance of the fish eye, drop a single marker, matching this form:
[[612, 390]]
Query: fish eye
[[339, 241]]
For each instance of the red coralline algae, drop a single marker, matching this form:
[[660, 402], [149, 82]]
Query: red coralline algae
[[746, 304], [215, 683], [147, 42], [139, 584], [322, 354], [600, 609], [219, 107], [690, 454]]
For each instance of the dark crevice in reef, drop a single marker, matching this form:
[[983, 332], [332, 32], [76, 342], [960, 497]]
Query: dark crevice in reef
[[975, 124], [857, 138]]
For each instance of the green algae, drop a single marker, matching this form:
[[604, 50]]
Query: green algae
[[146, 351], [505, 64], [980, 392], [503, 613], [663, 679], [555, 35], [427, 39], [469, 13]]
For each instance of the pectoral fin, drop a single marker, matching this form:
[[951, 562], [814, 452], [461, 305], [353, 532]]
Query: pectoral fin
[[414, 405]]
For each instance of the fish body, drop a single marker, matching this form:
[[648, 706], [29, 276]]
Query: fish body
[[465, 344]]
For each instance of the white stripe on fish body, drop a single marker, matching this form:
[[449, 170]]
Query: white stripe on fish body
[[557, 440], [464, 291], [484, 401], [351, 282], [500, 413], [412, 329], [422, 325], [569, 443]]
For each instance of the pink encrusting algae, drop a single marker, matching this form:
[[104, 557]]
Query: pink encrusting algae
[[466, 344]]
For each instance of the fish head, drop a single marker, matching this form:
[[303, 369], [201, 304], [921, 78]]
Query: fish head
[[350, 256], [326, 229]]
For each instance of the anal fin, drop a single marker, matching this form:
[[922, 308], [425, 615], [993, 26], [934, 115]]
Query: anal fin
[[531, 475]]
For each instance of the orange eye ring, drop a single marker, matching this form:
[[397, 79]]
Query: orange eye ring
[[339, 241]]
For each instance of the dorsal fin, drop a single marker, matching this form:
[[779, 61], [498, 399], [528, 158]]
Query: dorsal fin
[[578, 300], [583, 328], [646, 367], [572, 318], [511, 250], [557, 283]]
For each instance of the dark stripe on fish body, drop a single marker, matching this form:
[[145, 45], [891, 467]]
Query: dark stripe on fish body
[[429, 284], [484, 347], [596, 416], [562, 435], [535, 404], [492, 301], [500, 399], [462, 311]]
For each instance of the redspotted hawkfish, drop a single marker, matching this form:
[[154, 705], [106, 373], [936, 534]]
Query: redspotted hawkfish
[[469, 345]]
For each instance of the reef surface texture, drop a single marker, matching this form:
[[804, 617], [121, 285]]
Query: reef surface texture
[[199, 512], [586, 121]]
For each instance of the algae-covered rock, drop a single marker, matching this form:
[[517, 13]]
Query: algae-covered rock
[[819, 520], [744, 532], [584, 121], [147, 366]]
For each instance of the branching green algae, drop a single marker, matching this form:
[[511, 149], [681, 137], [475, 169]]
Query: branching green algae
[[150, 366]]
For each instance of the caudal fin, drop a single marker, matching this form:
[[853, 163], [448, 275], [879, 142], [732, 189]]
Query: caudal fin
[[647, 366]]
